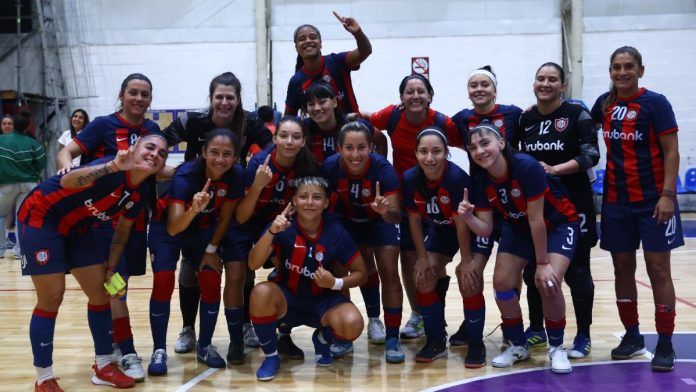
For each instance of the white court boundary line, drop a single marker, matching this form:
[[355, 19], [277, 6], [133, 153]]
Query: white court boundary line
[[196, 380]]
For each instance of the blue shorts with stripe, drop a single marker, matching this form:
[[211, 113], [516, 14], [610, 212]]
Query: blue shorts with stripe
[[561, 239], [625, 225]]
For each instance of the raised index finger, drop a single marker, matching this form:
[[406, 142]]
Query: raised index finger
[[339, 17], [206, 186], [286, 211], [268, 159], [377, 193], [466, 194]]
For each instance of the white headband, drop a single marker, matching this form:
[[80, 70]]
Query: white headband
[[435, 130], [485, 73]]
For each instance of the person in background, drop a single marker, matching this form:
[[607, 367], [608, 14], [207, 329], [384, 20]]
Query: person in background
[[22, 159], [7, 124], [78, 121]]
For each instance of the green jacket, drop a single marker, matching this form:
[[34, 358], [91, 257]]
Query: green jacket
[[22, 159]]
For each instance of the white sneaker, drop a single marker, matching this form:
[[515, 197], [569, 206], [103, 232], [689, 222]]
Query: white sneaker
[[132, 366], [375, 331], [511, 355], [186, 341], [559, 360], [414, 327], [116, 355], [250, 338]]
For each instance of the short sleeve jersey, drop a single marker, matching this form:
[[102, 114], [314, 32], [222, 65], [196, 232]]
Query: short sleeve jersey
[[335, 71], [107, 135], [403, 138], [526, 182], [69, 211], [438, 201], [352, 195], [300, 255], [631, 128], [505, 117], [275, 196], [190, 178]]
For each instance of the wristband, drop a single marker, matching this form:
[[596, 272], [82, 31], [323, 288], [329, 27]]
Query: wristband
[[338, 284], [211, 248], [543, 262], [270, 232]]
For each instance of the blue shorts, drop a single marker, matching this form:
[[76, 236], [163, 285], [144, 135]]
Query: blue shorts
[[562, 239], [442, 240], [165, 250], [241, 238], [625, 225], [372, 233], [306, 310], [405, 239], [44, 251], [484, 245]]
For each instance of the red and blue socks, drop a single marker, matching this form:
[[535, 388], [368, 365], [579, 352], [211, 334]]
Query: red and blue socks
[[209, 282], [370, 294], [41, 331], [433, 314], [475, 316]]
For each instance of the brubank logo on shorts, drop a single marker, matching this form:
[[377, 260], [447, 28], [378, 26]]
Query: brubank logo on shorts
[[95, 211], [615, 134], [296, 268]]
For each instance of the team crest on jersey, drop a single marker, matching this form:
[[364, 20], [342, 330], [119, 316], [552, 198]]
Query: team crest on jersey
[[444, 199], [631, 114], [41, 256], [221, 192], [515, 192], [129, 205], [366, 192], [327, 78], [498, 123], [319, 256], [561, 124]]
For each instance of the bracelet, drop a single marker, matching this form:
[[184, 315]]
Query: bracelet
[[110, 268], [668, 193], [270, 232], [338, 284], [543, 262], [211, 248]]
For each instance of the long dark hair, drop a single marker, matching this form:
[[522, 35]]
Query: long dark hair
[[124, 84], [21, 122], [300, 62], [487, 128], [432, 130], [321, 90], [631, 51], [238, 125], [199, 164], [305, 163], [73, 131]]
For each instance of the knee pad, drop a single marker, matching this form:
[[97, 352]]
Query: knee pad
[[163, 286], [505, 295], [209, 282]]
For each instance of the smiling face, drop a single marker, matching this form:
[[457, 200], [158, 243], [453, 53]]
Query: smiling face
[[431, 154], [415, 97], [485, 149], [78, 121], [289, 139], [321, 110], [310, 201], [219, 157], [151, 152], [481, 91], [224, 101], [308, 42], [624, 72], [136, 98], [548, 85], [355, 152]]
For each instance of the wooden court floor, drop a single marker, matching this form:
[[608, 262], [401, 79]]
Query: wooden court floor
[[365, 369]]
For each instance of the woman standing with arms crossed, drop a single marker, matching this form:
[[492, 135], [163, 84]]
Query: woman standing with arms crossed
[[562, 137], [541, 226], [368, 206], [55, 227], [107, 135], [334, 68], [639, 203]]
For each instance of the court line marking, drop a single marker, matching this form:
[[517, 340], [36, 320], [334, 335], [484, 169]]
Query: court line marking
[[196, 380], [494, 375]]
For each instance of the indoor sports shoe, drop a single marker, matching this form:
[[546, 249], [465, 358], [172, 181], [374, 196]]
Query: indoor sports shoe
[[322, 350], [116, 355], [340, 350], [461, 337], [186, 341], [288, 348], [535, 339], [48, 386], [393, 351], [432, 350], [210, 356], [630, 346], [132, 366], [235, 354], [112, 376], [581, 347], [268, 369], [511, 355], [476, 357], [664, 358], [158, 363], [375, 331], [559, 360], [250, 338], [414, 327]]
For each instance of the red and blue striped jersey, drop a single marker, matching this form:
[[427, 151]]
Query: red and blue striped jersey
[[276, 194], [334, 71], [324, 144], [69, 211], [437, 201], [403, 138], [300, 255], [107, 135], [352, 195], [190, 179], [635, 161], [526, 182], [505, 117]]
